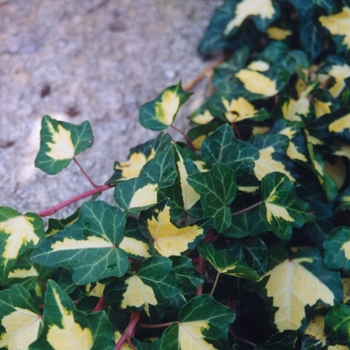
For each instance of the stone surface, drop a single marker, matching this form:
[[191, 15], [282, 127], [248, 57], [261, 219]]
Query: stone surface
[[95, 60]]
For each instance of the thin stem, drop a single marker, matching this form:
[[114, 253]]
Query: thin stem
[[130, 330], [159, 325], [246, 209], [241, 339], [100, 304], [236, 131], [188, 140], [83, 171], [207, 72], [215, 283], [200, 270], [57, 207]]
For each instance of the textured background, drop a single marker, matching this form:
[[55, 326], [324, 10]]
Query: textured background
[[100, 60]]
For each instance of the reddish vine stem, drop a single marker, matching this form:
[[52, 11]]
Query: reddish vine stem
[[246, 209], [57, 207], [241, 339], [84, 172], [129, 331], [215, 283], [200, 270], [236, 131], [100, 304], [188, 140], [159, 325]]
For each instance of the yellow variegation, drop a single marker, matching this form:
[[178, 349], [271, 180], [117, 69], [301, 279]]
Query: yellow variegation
[[343, 151], [23, 273], [262, 8], [197, 143], [346, 289], [70, 335], [203, 118], [191, 335], [315, 330], [293, 109], [340, 124], [277, 33], [134, 246], [20, 230], [248, 189], [339, 73], [88, 243], [238, 109], [260, 66], [257, 83], [62, 146], [292, 151], [97, 291], [189, 195], [260, 130], [138, 294], [146, 195], [277, 211], [169, 239], [286, 285], [338, 24], [321, 107], [167, 108], [21, 329], [266, 164], [337, 171], [312, 139], [132, 167]]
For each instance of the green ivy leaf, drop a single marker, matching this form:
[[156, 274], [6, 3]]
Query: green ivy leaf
[[343, 201], [150, 288], [224, 262], [217, 188], [282, 208], [337, 325], [21, 322], [161, 112], [203, 323], [60, 142], [280, 341], [18, 233], [89, 247], [337, 249], [66, 328]]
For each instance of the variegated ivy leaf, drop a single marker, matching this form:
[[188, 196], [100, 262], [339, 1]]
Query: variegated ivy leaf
[[224, 148], [21, 321], [18, 233], [67, 328], [141, 193], [337, 325], [282, 208], [324, 102], [280, 341], [272, 149], [217, 188], [89, 248], [161, 112], [224, 262], [337, 249], [149, 288], [314, 336], [343, 201], [167, 238], [297, 285], [60, 142], [203, 324]]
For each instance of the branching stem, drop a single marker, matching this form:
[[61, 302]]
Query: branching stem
[[246, 209], [84, 172], [57, 207], [241, 339], [129, 331]]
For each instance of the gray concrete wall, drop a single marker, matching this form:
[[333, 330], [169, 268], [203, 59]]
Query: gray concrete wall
[[95, 60]]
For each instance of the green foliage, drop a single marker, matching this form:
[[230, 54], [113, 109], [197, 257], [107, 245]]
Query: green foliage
[[236, 239]]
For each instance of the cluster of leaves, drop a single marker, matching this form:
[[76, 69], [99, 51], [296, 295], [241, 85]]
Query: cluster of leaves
[[238, 238]]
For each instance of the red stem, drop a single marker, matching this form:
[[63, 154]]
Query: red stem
[[159, 325], [236, 131], [100, 304], [200, 270], [57, 207], [83, 171], [246, 209], [241, 339], [130, 330], [189, 141]]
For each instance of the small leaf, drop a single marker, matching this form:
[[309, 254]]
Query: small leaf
[[60, 142], [168, 239], [224, 262], [18, 233], [89, 247], [337, 325], [203, 324], [282, 208], [21, 321], [161, 112], [67, 328], [217, 188]]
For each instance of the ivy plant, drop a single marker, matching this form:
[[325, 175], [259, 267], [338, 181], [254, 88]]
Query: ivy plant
[[236, 238]]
